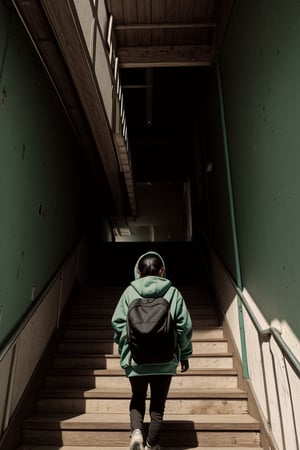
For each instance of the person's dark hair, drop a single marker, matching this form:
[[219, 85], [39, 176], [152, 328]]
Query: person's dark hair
[[150, 264]]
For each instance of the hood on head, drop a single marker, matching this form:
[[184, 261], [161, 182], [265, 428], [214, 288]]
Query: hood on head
[[136, 275]]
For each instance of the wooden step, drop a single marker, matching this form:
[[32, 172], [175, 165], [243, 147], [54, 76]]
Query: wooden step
[[111, 361], [173, 439], [111, 303], [95, 332], [109, 429], [107, 311], [79, 346], [83, 405], [210, 346], [100, 322], [93, 321], [213, 401], [100, 291], [106, 346], [91, 308], [98, 378], [126, 446], [109, 421], [108, 297], [212, 393], [88, 332]]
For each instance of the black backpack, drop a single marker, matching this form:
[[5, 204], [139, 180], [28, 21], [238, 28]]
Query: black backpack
[[150, 330]]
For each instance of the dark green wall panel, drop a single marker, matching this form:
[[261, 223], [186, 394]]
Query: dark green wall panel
[[221, 234], [261, 73], [40, 175]]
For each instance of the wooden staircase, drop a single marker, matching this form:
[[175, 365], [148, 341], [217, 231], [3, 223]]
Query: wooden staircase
[[85, 399]]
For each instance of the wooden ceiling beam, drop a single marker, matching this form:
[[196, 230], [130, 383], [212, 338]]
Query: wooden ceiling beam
[[165, 56]]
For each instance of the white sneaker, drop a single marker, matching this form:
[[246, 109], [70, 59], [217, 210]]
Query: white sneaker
[[137, 440], [154, 447]]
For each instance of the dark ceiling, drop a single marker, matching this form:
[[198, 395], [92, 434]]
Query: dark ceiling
[[161, 149]]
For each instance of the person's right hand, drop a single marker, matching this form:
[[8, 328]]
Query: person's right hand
[[184, 365]]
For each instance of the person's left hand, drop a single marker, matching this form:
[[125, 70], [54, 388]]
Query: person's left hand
[[184, 365]]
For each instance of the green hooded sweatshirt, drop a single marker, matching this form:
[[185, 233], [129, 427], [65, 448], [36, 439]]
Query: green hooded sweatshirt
[[152, 286]]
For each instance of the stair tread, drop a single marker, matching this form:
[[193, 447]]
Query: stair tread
[[90, 305], [102, 341], [120, 372], [125, 393], [95, 421], [115, 355], [194, 314], [98, 447]]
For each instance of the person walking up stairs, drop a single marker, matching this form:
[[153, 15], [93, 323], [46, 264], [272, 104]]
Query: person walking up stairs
[[153, 330]]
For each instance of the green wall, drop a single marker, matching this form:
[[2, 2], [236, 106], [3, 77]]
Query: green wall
[[260, 68], [40, 175], [220, 225]]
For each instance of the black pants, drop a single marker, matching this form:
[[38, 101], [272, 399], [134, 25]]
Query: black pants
[[159, 388]]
